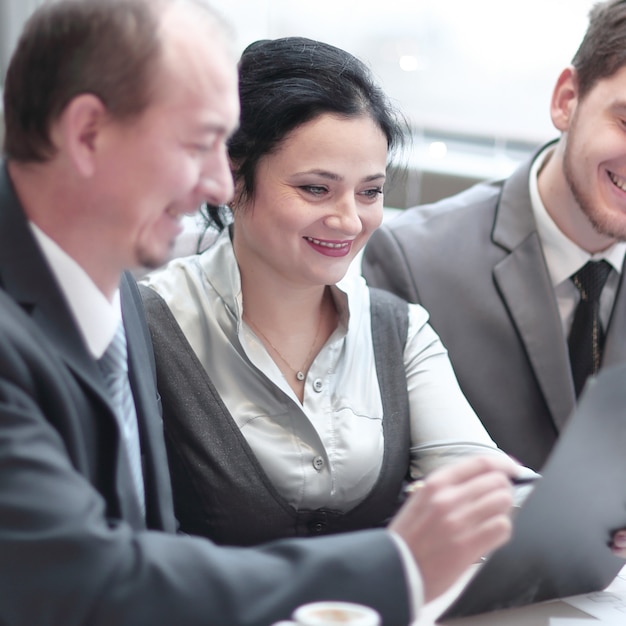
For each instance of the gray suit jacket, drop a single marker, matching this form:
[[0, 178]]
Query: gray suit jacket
[[475, 262], [73, 550]]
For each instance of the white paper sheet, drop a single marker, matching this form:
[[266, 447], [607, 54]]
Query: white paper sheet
[[609, 605]]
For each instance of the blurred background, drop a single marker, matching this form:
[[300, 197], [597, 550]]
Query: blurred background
[[474, 78]]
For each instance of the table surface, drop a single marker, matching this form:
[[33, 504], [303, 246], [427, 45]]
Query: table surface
[[606, 607]]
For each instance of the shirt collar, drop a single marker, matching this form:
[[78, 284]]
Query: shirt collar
[[563, 257], [219, 266], [96, 317]]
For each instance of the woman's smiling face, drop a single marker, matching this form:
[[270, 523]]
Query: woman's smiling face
[[317, 199]]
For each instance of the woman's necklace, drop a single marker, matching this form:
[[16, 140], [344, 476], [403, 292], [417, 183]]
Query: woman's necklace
[[300, 375]]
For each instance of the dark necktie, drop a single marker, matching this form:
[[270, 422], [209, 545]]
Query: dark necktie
[[114, 366], [586, 338]]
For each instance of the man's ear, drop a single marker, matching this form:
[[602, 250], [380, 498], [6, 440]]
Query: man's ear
[[78, 129], [564, 99]]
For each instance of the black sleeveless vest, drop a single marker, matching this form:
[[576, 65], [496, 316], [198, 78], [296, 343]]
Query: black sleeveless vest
[[220, 489]]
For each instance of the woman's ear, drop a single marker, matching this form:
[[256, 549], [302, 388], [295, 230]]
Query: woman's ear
[[564, 99], [78, 131]]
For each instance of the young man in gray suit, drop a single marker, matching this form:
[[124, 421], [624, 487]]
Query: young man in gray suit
[[493, 264], [117, 113]]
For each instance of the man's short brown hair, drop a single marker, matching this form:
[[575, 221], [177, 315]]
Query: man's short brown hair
[[602, 51], [108, 48]]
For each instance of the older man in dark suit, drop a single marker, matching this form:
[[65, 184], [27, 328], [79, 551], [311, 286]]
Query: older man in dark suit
[[523, 278], [117, 114]]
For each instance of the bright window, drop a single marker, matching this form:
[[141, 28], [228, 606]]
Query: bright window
[[485, 67], [474, 78]]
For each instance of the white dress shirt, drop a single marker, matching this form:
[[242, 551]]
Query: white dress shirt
[[96, 317]]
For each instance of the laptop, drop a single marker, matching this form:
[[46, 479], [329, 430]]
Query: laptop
[[559, 545]]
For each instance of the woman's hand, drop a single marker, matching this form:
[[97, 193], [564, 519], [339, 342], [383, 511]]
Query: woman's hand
[[459, 513]]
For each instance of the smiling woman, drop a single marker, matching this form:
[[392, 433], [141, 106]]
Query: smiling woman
[[316, 202], [296, 400]]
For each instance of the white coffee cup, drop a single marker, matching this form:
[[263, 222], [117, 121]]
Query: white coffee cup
[[332, 613]]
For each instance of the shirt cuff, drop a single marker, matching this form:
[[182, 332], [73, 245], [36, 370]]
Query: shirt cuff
[[415, 587]]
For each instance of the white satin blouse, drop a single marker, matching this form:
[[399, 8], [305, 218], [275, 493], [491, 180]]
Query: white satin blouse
[[326, 451]]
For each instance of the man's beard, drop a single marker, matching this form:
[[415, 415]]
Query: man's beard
[[605, 223]]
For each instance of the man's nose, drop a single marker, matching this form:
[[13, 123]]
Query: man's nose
[[216, 182]]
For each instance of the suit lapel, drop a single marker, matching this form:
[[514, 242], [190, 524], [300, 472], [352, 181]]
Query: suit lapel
[[27, 278], [526, 289], [142, 373], [524, 284]]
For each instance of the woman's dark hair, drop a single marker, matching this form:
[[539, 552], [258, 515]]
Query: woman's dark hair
[[284, 83], [602, 51]]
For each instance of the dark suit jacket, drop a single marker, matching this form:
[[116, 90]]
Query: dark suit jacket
[[475, 262], [73, 550]]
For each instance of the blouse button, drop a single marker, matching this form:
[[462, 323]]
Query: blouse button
[[317, 528], [318, 463], [318, 385]]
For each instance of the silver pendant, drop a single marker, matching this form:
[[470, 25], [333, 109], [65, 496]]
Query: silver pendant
[[300, 376]]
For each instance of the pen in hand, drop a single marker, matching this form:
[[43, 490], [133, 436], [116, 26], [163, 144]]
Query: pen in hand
[[525, 480], [515, 481]]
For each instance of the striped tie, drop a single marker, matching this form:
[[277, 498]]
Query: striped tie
[[114, 367]]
